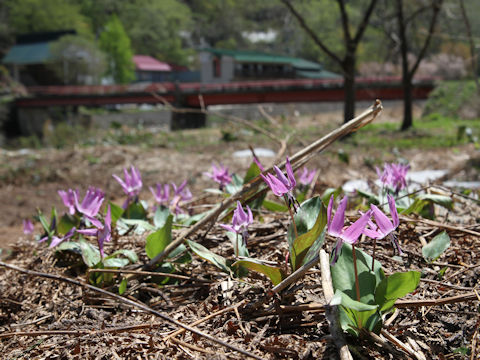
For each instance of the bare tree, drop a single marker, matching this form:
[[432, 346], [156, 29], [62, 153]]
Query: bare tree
[[408, 72], [351, 42]]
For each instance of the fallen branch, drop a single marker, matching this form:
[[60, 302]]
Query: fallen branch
[[441, 225], [131, 303], [331, 312]]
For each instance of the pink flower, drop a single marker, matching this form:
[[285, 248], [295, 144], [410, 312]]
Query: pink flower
[[68, 198], [161, 194], [220, 175], [385, 226], [240, 221], [103, 232], [91, 203], [306, 176], [281, 185], [132, 184], [27, 227], [394, 175], [180, 194], [335, 226]]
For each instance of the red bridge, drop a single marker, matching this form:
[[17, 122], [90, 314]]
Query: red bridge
[[196, 94]]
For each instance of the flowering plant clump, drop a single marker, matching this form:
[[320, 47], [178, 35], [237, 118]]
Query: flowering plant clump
[[132, 185], [394, 176], [240, 222]]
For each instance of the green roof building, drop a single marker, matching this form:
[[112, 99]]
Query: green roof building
[[218, 65]]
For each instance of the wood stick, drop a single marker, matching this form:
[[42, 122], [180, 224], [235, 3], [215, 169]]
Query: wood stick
[[131, 303], [331, 312], [144, 273]]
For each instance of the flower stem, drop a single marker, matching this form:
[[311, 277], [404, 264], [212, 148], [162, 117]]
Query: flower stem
[[357, 287], [293, 219], [373, 255], [236, 246]]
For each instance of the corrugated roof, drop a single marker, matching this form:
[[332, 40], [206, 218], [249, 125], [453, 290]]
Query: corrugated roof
[[148, 63], [26, 54], [318, 74]]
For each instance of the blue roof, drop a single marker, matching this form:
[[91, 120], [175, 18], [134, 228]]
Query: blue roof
[[27, 54]]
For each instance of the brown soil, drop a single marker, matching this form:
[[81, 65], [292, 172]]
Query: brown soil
[[29, 303]]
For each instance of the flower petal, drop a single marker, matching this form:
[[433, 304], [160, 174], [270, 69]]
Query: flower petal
[[393, 211], [336, 225], [351, 234], [384, 224]]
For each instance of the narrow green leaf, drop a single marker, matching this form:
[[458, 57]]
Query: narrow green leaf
[[242, 248], [235, 185], [66, 223], [415, 207], [129, 254], [158, 240], [371, 198], [327, 194], [340, 298], [436, 246], [123, 286], [135, 211], [204, 253], [252, 172], [274, 206], [394, 287], [275, 274], [44, 222], [116, 211], [142, 224]]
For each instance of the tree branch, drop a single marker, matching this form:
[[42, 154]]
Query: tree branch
[[365, 21], [310, 32]]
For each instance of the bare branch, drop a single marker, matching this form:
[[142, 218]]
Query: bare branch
[[345, 22], [365, 21]]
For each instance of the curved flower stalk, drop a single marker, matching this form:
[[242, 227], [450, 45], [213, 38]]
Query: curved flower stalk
[[220, 175], [132, 184], [240, 222], [394, 175], [335, 226], [103, 232], [91, 203], [385, 226]]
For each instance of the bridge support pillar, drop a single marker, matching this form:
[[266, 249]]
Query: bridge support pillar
[[188, 120]]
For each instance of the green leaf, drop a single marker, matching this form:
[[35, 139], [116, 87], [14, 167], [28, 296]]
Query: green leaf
[[90, 254], [44, 223], [275, 274], [175, 253], [190, 220], [371, 198], [302, 244], [445, 201], [415, 207], [436, 246], [310, 220], [394, 287], [116, 211], [123, 286], [327, 194], [160, 217], [135, 211], [66, 223], [274, 206], [340, 298], [158, 240], [142, 224], [204, 253], [129, 254], [343, 274], [235, 186], [242, 248], [115, 262], [69, 246], [252, 172]]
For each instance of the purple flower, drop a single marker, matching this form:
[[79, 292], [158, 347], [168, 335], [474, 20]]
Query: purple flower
[[132, 184], [56, 240], [306, 176], [27, 227], [91, 203], [180, 194], [385, 226], [68, 198], [161, 194], [335, 226], [394, 175], [282, 185], [103, 232], [240, 221], [220, 175]]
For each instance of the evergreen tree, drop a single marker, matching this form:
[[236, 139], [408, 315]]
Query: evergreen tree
[[116, 44]]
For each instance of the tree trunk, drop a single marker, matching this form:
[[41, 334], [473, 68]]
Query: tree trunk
[[407, 102], [349, 87]]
